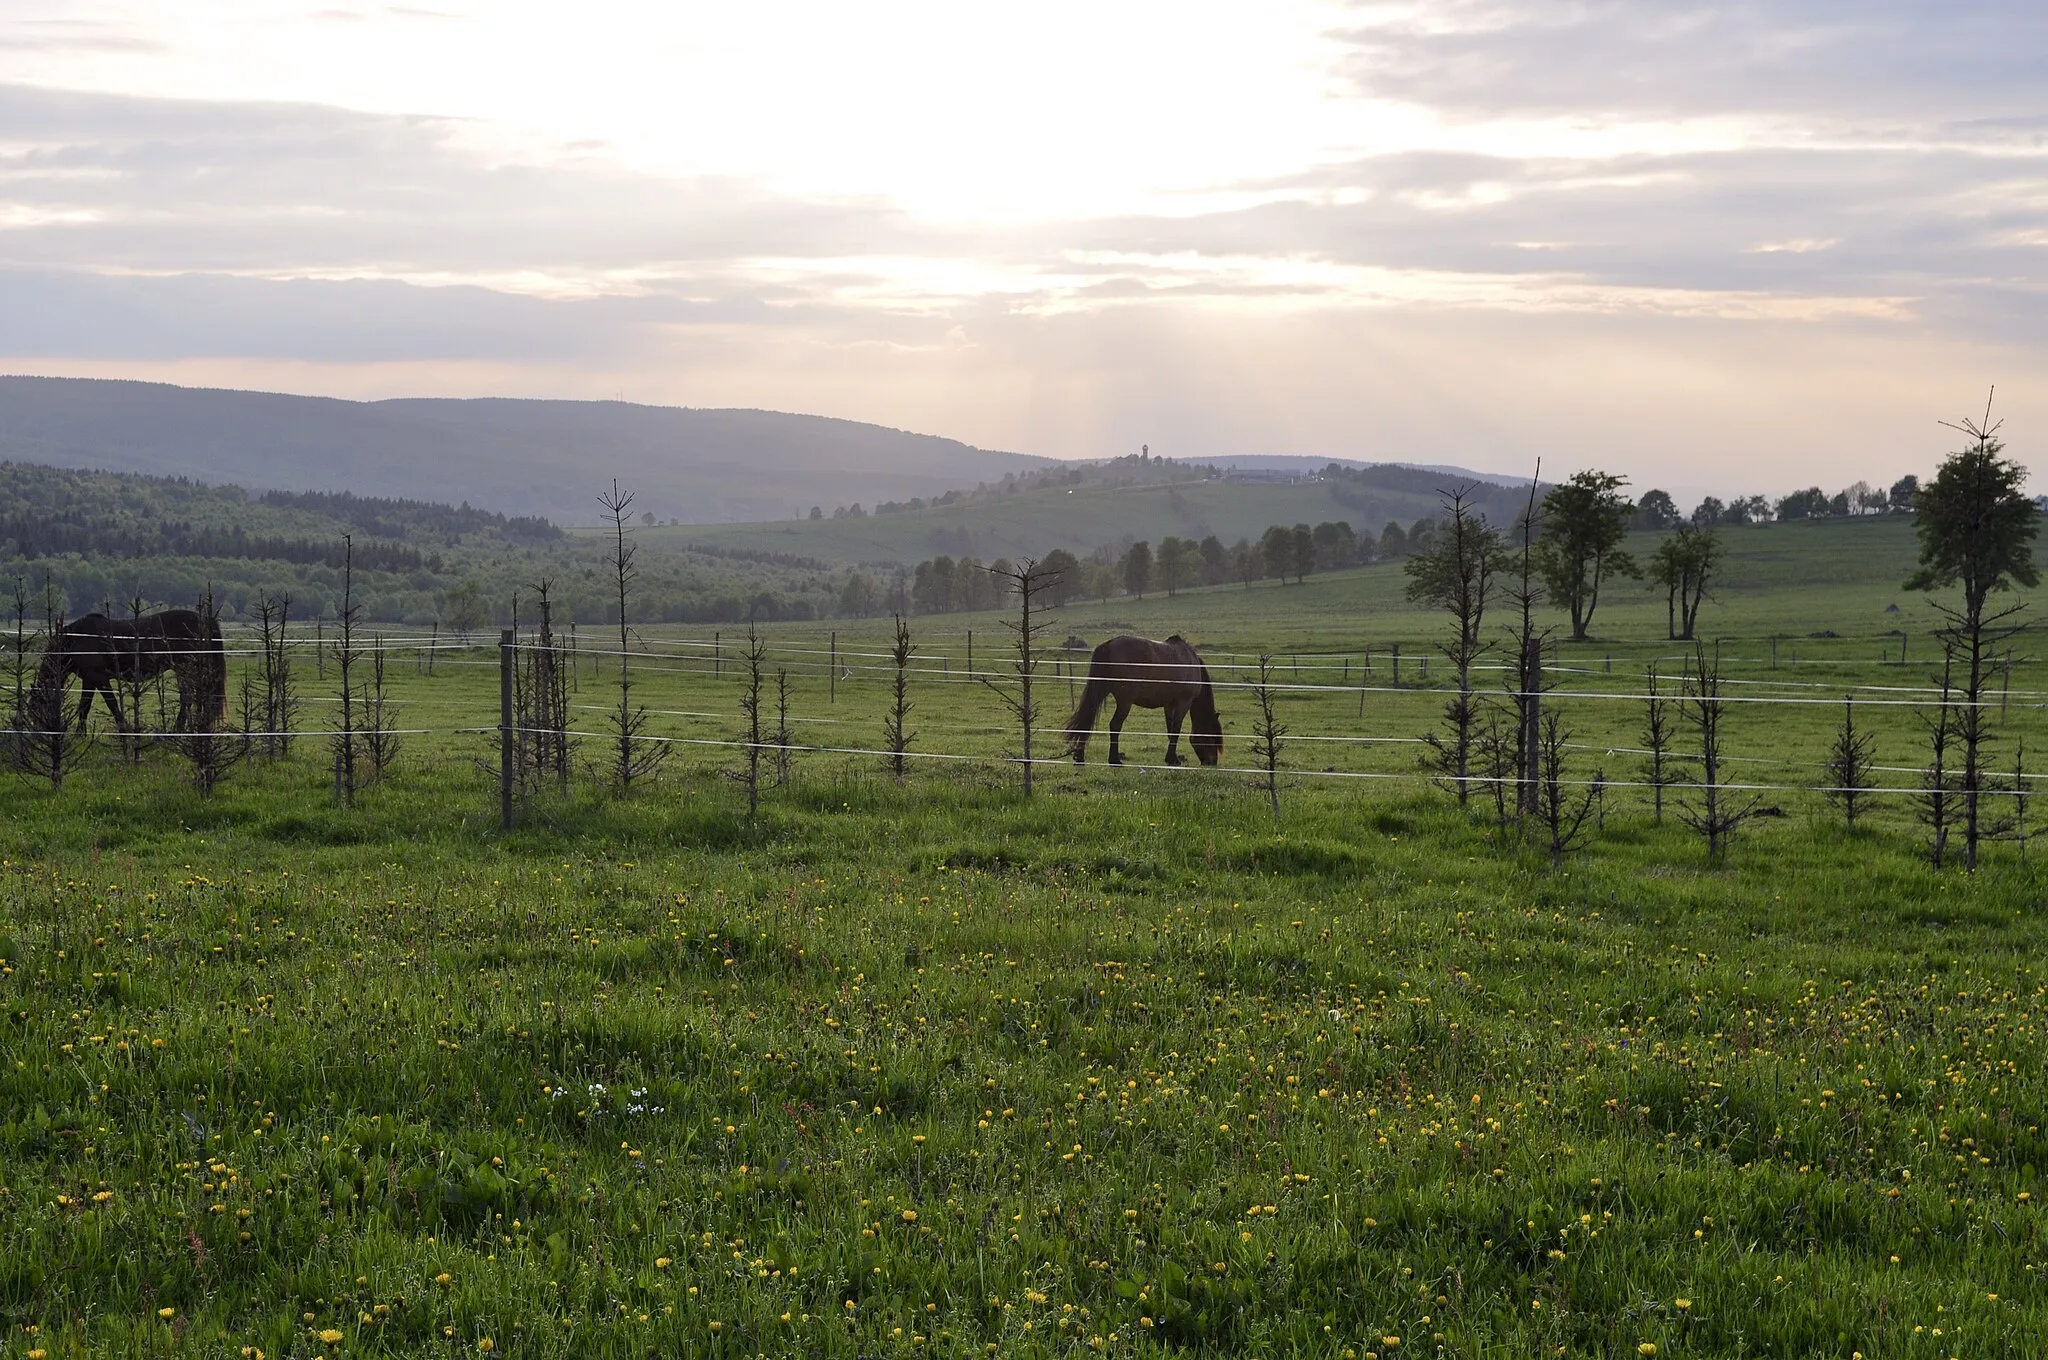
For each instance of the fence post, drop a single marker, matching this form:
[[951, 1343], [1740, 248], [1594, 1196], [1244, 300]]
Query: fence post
[[507, 658], [832, 675]]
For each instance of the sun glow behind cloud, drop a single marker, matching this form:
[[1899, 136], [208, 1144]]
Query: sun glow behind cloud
[[957, 111]]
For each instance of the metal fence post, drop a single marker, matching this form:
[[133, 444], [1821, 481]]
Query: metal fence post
[[507, 656]]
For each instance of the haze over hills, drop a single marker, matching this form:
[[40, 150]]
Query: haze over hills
[[518, 457]]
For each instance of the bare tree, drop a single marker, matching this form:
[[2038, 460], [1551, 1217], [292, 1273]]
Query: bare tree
[[896, 722], [1563, 814], [47, 746], [280, 697], [1657, 734], [784, 739], [1849, 766], [211, 752], [381, 743], [1935, 803], [19, 671], [634, 754], [1525, 676], [548, 679], [343, 742], [1714, 814], [755, 657], [133, 684], [1027, 581], [1267, 732], [2015, 827], [1495, 752], [1455, 573]]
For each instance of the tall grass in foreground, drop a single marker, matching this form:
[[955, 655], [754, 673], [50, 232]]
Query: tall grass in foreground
[[936, 1070]]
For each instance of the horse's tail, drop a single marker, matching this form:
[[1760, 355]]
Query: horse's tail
[[1207, 721], [1082, 724]]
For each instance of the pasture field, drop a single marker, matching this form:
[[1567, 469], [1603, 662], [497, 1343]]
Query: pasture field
[[1130, 1067]]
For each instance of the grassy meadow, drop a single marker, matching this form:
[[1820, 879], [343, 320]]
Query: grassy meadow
[[1130, 1067]]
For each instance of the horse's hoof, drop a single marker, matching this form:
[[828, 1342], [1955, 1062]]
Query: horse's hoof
[[1175, 760], [1116, 760]]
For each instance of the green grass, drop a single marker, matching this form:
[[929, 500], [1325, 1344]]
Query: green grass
[[1078, 1037]]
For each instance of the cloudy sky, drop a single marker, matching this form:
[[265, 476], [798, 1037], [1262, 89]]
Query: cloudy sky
[[1736, 246]]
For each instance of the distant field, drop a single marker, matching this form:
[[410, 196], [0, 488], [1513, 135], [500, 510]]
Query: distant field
[[1127, 1068], [1034, 522]]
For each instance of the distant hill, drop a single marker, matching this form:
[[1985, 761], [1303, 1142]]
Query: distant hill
[[104, 539], [1308, 465], [548, 458], [1085, 507]]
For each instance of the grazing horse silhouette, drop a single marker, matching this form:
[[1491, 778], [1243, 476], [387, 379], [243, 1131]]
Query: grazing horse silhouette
[[1168, 675], [101, 651]]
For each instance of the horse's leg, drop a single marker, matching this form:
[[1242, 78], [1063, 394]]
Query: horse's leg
[[1175, 715], [108, 695], [84, 703], [1116, 727]]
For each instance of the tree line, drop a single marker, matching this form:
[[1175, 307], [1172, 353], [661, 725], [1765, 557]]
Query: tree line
[[947, 584], [1976, 532], [1657, 509], [52, 535]]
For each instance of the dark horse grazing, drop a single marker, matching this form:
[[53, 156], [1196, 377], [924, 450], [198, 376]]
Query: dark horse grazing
[[1168, 675], [102, 652]]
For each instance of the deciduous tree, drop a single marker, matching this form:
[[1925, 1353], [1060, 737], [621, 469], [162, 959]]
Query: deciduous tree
[[1585, 520], [1684, 565]]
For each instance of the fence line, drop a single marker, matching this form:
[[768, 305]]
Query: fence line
[[702, 659]]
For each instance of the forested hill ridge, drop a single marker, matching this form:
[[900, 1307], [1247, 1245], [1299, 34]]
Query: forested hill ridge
[[103, 540], [521, 457]]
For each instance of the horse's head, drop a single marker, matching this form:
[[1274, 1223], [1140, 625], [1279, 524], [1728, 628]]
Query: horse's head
[[1208, 746]]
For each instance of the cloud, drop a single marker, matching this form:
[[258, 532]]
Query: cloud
[[1871, 67], [171, 185]]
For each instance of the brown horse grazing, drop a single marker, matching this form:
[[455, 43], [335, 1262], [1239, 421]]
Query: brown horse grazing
[[102, 651], [1168, 675]]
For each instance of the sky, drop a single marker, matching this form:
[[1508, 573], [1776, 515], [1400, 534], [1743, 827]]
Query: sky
[[1737, 247]]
